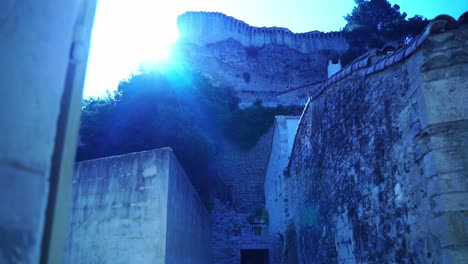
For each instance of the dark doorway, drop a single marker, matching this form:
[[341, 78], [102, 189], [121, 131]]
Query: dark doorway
[[254, 256]]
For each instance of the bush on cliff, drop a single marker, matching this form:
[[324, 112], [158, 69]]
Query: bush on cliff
[[158, 108], [244, 127]]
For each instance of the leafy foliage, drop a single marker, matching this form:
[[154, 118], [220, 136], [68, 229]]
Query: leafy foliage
[[158, 108], [171, 107], [375, 23], [246, 126]]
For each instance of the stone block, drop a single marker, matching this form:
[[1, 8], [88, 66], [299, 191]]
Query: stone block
[[443, 161], [445, 100], [456, 255], [448, 183], [450, 202], [428, 165]]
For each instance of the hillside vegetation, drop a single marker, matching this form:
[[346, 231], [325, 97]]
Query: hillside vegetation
[[171, 107]]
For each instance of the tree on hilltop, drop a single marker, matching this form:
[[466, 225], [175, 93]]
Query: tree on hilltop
[[375, 23]]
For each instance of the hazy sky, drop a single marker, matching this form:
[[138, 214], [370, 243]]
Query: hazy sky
[[127, 32]]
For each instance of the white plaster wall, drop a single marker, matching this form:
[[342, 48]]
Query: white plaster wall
[[276, 197], [333, 68], [291, 124], [35, 38]]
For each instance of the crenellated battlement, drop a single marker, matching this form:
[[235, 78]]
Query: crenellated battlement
[[211, 27]]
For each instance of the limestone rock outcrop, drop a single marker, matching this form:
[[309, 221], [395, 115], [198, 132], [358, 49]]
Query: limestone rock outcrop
[[256, 62]]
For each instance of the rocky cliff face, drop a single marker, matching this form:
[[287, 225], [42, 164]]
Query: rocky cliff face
[[269, 68], [251, 59]]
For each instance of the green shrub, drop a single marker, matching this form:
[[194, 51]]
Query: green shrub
[[244, 127]]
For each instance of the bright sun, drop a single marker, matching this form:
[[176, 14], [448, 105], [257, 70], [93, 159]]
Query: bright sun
[[126, 33]]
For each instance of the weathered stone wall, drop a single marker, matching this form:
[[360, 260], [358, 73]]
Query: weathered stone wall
[[276, 196], [211, 27], [35, 38], [243, 172], [379, 168], [233, 232], [136, 208]]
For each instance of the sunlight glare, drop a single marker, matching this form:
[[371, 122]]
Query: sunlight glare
[[128, 32], [125, 34]]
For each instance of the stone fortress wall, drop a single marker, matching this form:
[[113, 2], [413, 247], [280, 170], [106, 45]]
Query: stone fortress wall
[[256, 62], [211, 27], [378, 170]]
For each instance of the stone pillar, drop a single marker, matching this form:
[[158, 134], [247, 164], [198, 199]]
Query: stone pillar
[[35, 38], [443, 101]]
